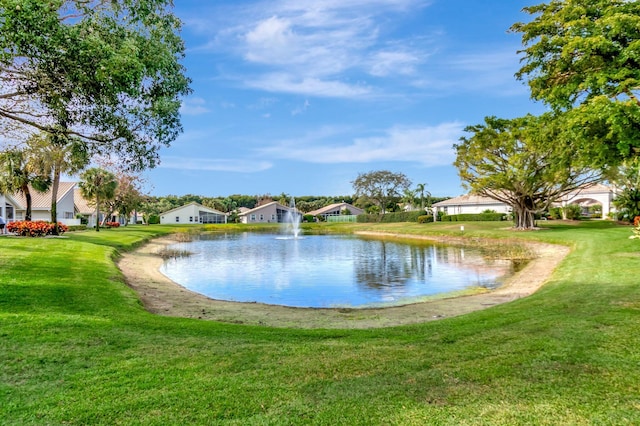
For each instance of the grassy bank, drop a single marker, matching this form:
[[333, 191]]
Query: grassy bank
[[76, 347]]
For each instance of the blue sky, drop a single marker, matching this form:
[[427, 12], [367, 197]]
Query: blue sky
[[299, 96]]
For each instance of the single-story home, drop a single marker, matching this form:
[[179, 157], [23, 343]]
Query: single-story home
[[336, 209], [192, 213], [590, 196], [470, 204], [272, 212], [13, 207], [585, 197]]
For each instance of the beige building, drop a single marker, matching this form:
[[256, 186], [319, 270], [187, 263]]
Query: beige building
[[13, 207], [584, 197], [336, 209], [272, 212], [192, 213]]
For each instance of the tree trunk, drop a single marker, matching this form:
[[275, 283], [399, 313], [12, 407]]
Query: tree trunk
[[524, 218], [97, 212], [27, 196], [54, 198]]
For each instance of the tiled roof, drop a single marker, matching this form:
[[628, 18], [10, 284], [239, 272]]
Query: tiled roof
[[200, 206], [82, 205], [333, 206], [255, 209], [467, 199], [42, 200]]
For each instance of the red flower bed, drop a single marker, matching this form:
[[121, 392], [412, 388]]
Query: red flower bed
[[37, 228], [112, 224], [636, 221]]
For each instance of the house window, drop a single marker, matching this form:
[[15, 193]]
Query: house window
[[190, 218], [253, 218], [68, 215], [177, 218], [261, 217], [273, 217]]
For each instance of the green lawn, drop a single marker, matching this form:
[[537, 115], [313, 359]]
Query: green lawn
[[76, 347]]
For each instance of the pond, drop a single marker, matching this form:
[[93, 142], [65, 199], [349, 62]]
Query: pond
[[323, 271]]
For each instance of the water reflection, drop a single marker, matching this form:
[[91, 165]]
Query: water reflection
[[325, 271]]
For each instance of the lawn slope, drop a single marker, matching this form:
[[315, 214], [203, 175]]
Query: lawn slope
[[76, 347]]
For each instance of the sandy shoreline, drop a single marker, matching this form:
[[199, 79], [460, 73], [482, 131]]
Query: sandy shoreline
[[162, 296]]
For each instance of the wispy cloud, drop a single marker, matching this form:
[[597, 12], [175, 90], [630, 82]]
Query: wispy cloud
[[194, 106], [490, 71], [218, 165], [320, 48], [309, 86], [428, 145]]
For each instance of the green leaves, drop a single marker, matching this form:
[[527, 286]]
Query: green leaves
[[576, 50], [526, 162], [108, 73]]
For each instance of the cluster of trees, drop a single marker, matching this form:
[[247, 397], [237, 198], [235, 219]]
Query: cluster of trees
[[383, 191], [86, 78], [581, 58], [155, 205]]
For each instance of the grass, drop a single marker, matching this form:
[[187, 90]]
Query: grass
[[76, 347]]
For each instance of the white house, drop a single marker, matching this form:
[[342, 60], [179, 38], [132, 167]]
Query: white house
[[14, 206], [584, 197], [272, 212], [470, 204], [336, 209], [192, 213], [590, 196]]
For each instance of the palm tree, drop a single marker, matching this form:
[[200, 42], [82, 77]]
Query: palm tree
[[19, 172], [420, 188], [409, 198], [56, 159], [98, 184]]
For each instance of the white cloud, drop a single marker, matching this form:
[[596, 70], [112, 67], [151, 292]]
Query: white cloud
[[316, 48], [194, 106], [218, 165], [428, 145], [489, 71], [385, 63], [310, 86]]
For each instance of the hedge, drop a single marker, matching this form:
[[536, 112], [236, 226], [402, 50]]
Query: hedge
[[470, 217], [411, 216]]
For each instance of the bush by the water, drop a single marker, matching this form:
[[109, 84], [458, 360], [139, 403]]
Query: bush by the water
[[38, 228], [426, 218], [471, 217], [411, 216]]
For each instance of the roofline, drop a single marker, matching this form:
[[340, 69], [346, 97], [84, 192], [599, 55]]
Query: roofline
[[194, 204]]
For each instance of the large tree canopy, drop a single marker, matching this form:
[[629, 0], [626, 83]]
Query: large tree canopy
[[526, 162], [584, 55], [106, 73], [381, 186]]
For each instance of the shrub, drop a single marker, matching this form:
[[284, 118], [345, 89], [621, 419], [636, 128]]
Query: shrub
[[77, 228], [309, 218], [425, 218], [411, 216], [471, 217], [636, 228], [154, 219], [37, 228], [555, 212], [572, 212]]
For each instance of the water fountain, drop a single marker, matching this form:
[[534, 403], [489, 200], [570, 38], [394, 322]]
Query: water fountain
[[292, 220]]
